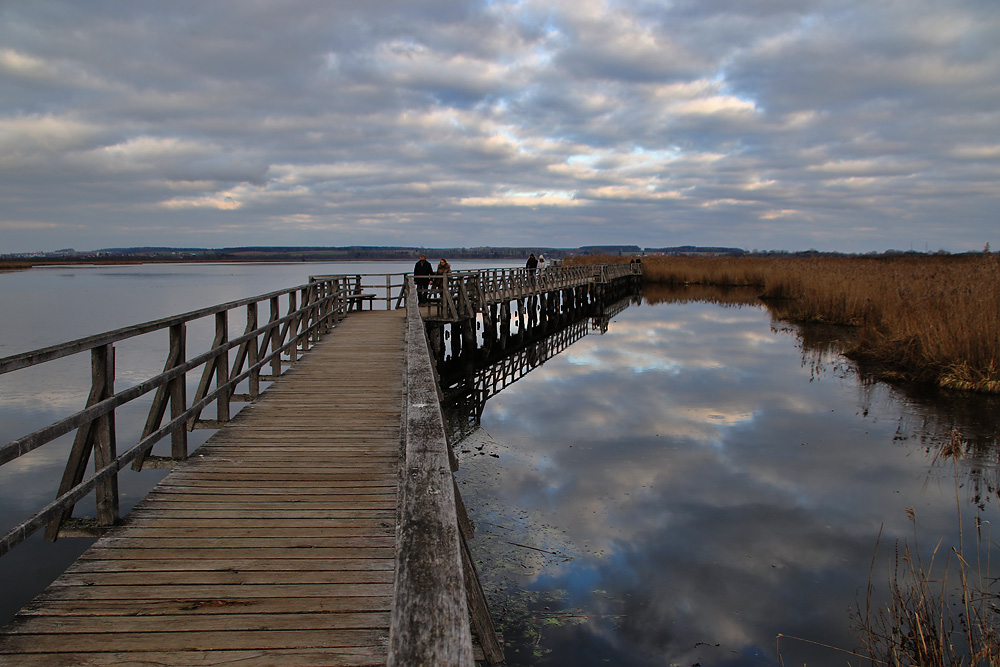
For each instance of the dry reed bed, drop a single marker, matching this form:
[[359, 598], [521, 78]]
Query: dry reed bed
[[934, 318]]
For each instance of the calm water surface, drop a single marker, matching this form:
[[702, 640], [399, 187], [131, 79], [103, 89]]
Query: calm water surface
[[679, 490], [698, 480]]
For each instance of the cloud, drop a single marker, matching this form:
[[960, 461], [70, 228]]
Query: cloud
[[838, 116]]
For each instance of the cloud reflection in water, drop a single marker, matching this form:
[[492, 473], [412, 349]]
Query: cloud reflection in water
[[695, 488]]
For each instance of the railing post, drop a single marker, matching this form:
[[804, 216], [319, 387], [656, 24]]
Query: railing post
[[101, 432], [252, 357], [222, 365], [177, 388], [304, 330], [292, 329], [105, 446], [272, 337]]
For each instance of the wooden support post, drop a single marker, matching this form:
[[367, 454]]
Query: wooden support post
[[291, 328], [177, 388], [469, 338], [105, 445], [271, 338], [479, 610], [435, 337], [490, 324], [175, 357], [222, 365], [504, 324], [87, 435], [465, 525], [252, 358], [456, 341]]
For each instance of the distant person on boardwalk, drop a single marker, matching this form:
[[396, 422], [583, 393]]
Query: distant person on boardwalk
[[443, 267], [422, 272], [532, 266], [541, 265]]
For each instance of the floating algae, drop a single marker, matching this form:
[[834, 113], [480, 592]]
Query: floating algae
[[515, 549]]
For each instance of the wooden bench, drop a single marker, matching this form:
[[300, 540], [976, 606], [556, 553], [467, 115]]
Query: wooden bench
[[356, 301]]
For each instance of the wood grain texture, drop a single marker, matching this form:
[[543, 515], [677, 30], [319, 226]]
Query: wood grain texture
[[273, 544]]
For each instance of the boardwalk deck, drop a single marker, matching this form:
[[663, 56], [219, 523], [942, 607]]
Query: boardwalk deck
[[272, 545]]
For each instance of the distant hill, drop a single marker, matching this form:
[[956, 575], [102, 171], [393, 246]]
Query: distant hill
[[313, 253], [698, 250]]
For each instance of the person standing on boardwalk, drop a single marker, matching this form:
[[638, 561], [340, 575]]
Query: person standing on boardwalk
[[531, 265], [422, 271], [443, 267]]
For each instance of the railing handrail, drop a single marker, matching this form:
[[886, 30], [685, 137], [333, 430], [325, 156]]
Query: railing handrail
[[322, 304], [450, 292], [51, 353], [389, 292], [429, 622]]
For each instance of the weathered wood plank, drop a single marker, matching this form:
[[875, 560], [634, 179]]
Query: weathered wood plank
[[329, 604], [353, 656], [38, 625], [429, 612], [238, 564], [214, 592], [257, 638], [233, 576]]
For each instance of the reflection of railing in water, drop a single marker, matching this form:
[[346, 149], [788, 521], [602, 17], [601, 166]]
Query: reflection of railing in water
[[601, 320], [469, 380]]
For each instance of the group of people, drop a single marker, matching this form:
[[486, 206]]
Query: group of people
[[535, 264], [422, 272]]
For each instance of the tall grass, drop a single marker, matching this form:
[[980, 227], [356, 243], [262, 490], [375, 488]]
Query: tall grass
[[933, 318], [941, 612]]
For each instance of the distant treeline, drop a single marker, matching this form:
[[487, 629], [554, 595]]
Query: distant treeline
[[307, 253], [373, 253]]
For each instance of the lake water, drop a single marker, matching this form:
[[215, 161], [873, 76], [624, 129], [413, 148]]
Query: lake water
[[699, 480], [680, 489]]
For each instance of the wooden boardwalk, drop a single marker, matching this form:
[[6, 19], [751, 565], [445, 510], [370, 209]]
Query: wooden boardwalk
[[272, 545]]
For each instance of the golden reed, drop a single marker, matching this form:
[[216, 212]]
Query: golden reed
[[930, 318]]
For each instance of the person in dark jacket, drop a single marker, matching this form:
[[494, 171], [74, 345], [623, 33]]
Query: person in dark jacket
[[531, 265], [422, 272]]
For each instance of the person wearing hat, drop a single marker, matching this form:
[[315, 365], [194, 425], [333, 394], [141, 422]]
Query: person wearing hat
[[422, 272]]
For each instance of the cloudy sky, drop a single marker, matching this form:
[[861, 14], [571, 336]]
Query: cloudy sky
[[850, 125]]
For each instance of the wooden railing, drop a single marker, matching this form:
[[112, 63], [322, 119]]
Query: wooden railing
[[386, 291], [461, 294], [436, 585], [297, 317]]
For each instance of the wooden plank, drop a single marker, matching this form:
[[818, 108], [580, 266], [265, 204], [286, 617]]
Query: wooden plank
[[252, 638], [107, 609], [237, 564], [354, 656], [231, 576], [38, 625], [213, 592]]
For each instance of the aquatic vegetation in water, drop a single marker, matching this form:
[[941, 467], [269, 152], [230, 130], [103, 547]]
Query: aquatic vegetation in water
[[937, 613]]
